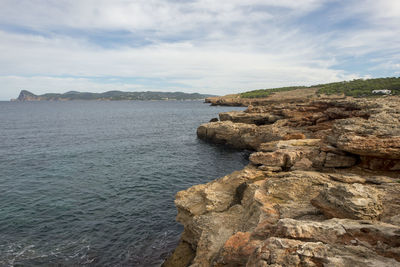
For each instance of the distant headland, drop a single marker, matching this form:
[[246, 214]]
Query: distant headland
[[25, 95]]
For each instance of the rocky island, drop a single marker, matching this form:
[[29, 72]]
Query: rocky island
[[322, 187]]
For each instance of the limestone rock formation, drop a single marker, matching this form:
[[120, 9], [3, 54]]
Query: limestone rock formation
[[240, 135], [322, 188], [275, 213], [251, 118]]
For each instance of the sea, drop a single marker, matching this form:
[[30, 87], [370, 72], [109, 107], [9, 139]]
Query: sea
[[92, 183]]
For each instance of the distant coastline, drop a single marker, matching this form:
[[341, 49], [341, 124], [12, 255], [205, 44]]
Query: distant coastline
[[110, 95]]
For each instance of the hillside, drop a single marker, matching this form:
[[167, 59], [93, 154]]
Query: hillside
[[355, 88], [111, 95]]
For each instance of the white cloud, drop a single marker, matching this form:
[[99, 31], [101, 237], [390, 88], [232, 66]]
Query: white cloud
[[199, 68], [140, 14], [207, 46]]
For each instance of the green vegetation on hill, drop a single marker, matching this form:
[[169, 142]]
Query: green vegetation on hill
[[360, 87], [266, 92], [355, 88]]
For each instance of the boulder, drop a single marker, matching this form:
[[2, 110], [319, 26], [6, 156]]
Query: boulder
[[240, 135], [278, 252], [339, 161], [250, 118], [383, 164], [274, 159], [288, 144], [372, 146], [237, 249], [182, 256], [354, 201], [291, 136], [376, 136], [335, 242]]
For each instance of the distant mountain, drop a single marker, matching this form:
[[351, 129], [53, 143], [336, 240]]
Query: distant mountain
[[111, 95]]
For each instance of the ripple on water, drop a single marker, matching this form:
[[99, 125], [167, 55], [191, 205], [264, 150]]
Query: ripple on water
[[93, 183]]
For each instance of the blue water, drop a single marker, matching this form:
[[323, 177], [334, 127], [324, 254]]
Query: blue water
[[93, 183]]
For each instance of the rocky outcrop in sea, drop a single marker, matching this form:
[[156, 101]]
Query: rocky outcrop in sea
[[322, 188]]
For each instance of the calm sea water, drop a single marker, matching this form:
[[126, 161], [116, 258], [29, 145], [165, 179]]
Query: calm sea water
[[93, 183]]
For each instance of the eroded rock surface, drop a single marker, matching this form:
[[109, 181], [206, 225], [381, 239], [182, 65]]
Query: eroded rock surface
[[322, 188], [354, 201]]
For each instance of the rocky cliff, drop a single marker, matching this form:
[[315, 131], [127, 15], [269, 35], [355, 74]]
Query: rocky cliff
[[27, 96], [322, 188]]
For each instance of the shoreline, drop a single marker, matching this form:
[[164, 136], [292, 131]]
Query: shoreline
[[323, 171]]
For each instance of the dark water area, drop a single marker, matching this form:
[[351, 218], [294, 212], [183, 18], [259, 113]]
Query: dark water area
[[93, 183]]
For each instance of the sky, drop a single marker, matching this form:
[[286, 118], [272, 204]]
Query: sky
[[206, 46]]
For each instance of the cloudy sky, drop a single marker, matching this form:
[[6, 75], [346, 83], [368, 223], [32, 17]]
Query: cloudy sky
[[206, 46]]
